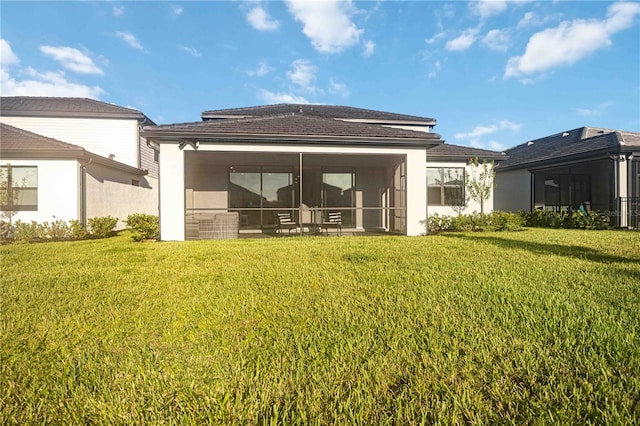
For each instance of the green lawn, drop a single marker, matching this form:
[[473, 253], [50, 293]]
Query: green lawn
[[539, 326]]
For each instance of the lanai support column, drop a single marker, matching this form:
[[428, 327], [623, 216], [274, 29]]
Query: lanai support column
[[172, 192], [416, 191]]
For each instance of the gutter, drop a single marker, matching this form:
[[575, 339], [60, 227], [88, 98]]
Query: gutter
[[241, 138], [599, 154], [76, 154]]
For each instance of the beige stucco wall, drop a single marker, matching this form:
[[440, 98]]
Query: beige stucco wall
[[110, 192]]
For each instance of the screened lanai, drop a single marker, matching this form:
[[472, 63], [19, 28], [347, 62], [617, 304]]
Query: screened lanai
[[367, 189]]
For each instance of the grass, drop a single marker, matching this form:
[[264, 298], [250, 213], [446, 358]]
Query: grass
[[539, 327]]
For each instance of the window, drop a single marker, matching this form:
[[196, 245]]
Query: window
[[18, 188], [445, 186], [156, 155]]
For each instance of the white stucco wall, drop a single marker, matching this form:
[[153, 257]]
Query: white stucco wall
[[110, 192], [172, 178], [472, 206], [99, 136], [513, 190], [58, 193]]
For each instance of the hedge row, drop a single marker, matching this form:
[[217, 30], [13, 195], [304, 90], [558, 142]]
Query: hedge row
[[502, 221], [142, 227]]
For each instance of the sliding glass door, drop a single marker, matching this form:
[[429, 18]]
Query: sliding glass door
[[257, 193]]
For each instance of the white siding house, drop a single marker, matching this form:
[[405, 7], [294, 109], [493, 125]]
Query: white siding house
[[89, 156]]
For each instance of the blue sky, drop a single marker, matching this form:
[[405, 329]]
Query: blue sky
[[493, 73]]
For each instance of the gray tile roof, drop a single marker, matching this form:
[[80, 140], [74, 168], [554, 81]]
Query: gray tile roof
[[325, 111], [288, 127], [65, 107], [580, 142], [447, 152], [19, 143]]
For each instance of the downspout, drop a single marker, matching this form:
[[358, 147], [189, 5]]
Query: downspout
[[82, 192], [532, 190]]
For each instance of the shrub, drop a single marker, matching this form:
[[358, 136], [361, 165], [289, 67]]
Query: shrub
[[563, 219], [29, 231], [494, 221], [57, 230], [143, 226], [102, 227], [437, 223], [77, 230], [504, 221]]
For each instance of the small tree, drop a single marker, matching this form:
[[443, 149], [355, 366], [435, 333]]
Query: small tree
[[9, 194], [480, 181]]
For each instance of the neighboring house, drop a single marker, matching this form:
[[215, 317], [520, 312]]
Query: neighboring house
[[560, 172], [87, 157], [307, 160]]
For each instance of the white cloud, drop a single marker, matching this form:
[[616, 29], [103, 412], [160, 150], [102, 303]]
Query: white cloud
[[118, 10], [72, 59], [303, 74], [130, 39], [7, 57], [497, 40], [338, 88], [46, 84], [487, 8], [594, 112], [464, 41], [327, 24], [436, 37], [570, 41], [262, 70], [280, 98], [192, 51], [260, 19], [369, 48], [479, 131], [492, 145], [436, 69], [176, 9]]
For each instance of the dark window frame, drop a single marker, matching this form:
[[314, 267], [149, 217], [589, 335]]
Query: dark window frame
[[10, 187]]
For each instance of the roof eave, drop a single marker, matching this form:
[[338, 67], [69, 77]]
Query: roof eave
[[177, 136], [453, 157], [74, 114], [598, 154], [71, 154]]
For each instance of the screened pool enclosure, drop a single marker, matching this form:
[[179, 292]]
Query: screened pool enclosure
[[368, 190]]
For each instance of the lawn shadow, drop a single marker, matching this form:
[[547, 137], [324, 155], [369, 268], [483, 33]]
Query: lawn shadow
[[577, 252]]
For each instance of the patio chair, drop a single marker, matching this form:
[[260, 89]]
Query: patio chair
[[284, 221], [334, 221]]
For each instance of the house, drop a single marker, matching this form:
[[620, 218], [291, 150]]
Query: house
[[591, 166], [310, 160], [79, 158]]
